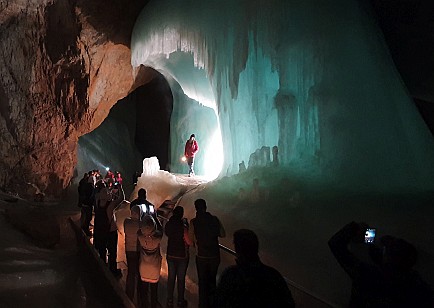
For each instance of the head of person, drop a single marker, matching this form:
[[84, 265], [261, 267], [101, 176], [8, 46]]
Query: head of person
[[178, 212], [142, 193], [192, 136], [246, 245], [100, 184], [136, 212], [200, 205], [148, 224]]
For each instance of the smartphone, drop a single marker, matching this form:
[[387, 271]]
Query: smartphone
[[369, 236]]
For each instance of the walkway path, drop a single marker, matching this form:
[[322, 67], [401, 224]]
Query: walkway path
[[31, 276]]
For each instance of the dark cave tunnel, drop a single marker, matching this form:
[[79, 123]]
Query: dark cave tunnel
[[138, 126], [154, 104]]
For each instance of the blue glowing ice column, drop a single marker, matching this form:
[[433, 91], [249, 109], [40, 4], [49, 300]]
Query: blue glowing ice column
[[312, 77]]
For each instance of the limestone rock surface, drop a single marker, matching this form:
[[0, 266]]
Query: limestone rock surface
[[63, 64]]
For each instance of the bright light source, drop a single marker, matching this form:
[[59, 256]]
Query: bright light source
[[107, 168], [213, 160], [183, 158]]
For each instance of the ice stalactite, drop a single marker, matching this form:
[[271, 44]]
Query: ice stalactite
[[313, 77]]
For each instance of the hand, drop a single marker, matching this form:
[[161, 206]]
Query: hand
[[359, 230]]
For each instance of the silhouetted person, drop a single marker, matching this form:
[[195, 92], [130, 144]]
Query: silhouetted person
[[92, 177], [250, 283], [101, 221], [136, 176], [86, 199], [275, 152], [141, 200], [131, 228], [191, 148], [80, 188], [147, 207], [112, 236], [150, 261], [205, 229], [97, 174], [390, 280], [118, 178], [178, 242]]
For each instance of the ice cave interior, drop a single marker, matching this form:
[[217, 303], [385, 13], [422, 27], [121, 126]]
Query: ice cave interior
[[302, 96]]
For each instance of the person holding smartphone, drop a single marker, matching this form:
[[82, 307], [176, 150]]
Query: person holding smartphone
[[388, 282]]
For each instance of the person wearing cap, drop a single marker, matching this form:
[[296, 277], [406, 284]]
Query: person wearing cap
[[251, 283], [191, 148], [388, 281]]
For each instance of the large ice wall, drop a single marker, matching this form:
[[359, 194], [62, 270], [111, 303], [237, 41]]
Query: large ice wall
[[313, 77], [188, 116]]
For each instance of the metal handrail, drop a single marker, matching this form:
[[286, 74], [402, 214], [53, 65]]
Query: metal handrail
[[288, 281], [228, 250]]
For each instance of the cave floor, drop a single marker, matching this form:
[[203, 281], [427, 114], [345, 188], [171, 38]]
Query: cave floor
[[36, 273]]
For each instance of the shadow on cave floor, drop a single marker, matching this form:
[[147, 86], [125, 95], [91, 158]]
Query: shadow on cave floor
[[40, 263]]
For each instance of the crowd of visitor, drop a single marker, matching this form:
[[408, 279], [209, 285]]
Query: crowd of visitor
[[388, 282]]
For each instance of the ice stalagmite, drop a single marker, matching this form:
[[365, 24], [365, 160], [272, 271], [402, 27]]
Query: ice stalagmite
[[313, 77]]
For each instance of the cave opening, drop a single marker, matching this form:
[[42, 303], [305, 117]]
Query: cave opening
[[138, 126], [155, 120], [154, 105]]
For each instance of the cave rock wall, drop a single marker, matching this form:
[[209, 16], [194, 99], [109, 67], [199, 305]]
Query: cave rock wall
[[63, 64]]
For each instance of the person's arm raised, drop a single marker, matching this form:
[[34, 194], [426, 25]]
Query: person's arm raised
[[339, 242]]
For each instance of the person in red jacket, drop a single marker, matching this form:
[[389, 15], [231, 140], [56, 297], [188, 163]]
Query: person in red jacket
[[191, 148]]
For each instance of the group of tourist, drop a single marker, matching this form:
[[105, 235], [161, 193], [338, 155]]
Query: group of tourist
[[98, 195], [143, 234], [88, 188], [388, 281]]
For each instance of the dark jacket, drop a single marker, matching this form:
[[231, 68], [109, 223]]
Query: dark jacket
[[139, 201], [378, 285], [86, 193], [252, 284], [146, 210], [205, 229], [175, 229]]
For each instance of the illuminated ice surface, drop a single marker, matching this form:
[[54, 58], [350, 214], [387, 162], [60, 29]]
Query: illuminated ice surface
[[294, 221], [189, 116], [314, 78]]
